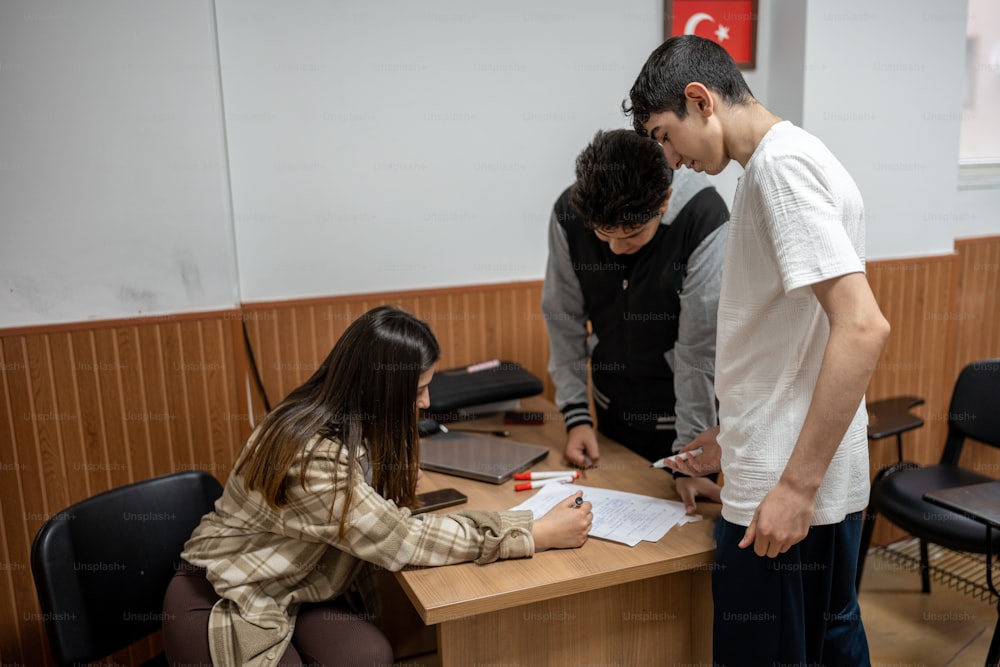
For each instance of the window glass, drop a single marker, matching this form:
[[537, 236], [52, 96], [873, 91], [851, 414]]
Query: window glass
[[980, 137]]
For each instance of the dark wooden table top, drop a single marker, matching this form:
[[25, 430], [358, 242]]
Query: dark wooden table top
[[979, 502]]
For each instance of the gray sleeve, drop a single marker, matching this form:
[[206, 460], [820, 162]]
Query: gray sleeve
[[693, 356], [565, 320]]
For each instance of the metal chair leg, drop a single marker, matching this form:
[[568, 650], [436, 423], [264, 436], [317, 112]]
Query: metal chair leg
[[925, 568]]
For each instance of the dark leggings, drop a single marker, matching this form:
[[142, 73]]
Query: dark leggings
[[325, 633]]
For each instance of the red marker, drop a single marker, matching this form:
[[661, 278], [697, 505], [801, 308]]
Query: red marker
[[527, 486], [534, 476]]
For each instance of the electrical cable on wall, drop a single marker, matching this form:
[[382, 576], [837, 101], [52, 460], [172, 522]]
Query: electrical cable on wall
[[253, 367]]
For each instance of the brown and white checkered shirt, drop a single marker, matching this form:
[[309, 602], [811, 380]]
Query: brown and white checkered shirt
[[264, 563]]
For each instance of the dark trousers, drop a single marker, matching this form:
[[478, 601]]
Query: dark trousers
[[797, 609], [325, 634]]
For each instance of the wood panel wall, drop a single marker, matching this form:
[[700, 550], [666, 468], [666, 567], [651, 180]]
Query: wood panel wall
[[916, 296], [977, 310], [87, 407], [90, 407], [472, 324]]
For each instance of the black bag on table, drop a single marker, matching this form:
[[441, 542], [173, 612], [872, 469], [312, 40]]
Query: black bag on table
[[454, 392]]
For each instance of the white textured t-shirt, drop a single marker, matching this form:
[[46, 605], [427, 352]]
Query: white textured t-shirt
[[797, 220]]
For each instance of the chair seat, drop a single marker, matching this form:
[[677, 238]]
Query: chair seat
[[900, 497]]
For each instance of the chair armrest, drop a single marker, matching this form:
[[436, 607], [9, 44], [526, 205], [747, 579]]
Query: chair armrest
[[892, 416]]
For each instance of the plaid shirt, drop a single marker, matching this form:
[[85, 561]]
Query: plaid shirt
[[264, 562]]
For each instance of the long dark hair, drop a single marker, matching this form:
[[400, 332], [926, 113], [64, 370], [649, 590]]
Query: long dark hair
[[364, 396]]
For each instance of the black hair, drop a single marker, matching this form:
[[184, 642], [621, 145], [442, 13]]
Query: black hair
[[622, 180], [671, 67]]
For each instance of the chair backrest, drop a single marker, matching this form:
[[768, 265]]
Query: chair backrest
[[102, 566], [975, 408]]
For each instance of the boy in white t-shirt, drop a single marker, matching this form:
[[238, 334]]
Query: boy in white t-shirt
[[799, 335]]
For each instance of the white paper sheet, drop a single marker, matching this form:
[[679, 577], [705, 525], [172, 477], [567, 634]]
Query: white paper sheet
[[623, 517]]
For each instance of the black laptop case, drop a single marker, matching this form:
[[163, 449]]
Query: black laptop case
[[490, 382]]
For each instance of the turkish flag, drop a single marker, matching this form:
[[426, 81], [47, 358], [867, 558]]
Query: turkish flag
[[730, 23]]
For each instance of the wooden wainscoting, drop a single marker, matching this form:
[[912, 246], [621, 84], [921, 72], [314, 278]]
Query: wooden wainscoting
[[916, 296], [472, 324], [977, 337], [88, 407], [977, 304]]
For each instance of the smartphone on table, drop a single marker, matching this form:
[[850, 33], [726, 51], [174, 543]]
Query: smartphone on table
[[533, 418], [435, 500]]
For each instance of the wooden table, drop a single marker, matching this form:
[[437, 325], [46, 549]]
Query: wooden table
[[979, 502], [602, 604]]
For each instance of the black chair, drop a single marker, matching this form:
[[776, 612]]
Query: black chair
[[898, 490], [102, 566]]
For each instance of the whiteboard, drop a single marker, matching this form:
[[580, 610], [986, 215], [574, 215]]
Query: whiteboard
[[114, 195], [399, 145]]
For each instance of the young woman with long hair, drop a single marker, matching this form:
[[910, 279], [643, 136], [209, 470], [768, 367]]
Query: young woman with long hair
[[277, 573]]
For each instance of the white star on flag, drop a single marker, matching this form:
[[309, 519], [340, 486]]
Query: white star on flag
[[722, 33]]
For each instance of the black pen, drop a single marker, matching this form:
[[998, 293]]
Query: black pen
[[498, 433], [578, 502]]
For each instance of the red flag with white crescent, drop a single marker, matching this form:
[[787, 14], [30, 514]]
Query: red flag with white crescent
[[729, 23]]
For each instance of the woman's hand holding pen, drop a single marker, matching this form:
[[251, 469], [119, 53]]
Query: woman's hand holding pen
[[565, 526]]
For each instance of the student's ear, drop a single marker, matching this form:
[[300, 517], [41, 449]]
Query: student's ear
[[663, 208], [699, 99]]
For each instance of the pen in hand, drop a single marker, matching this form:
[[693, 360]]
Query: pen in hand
[[683, 456], [577, 502]]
